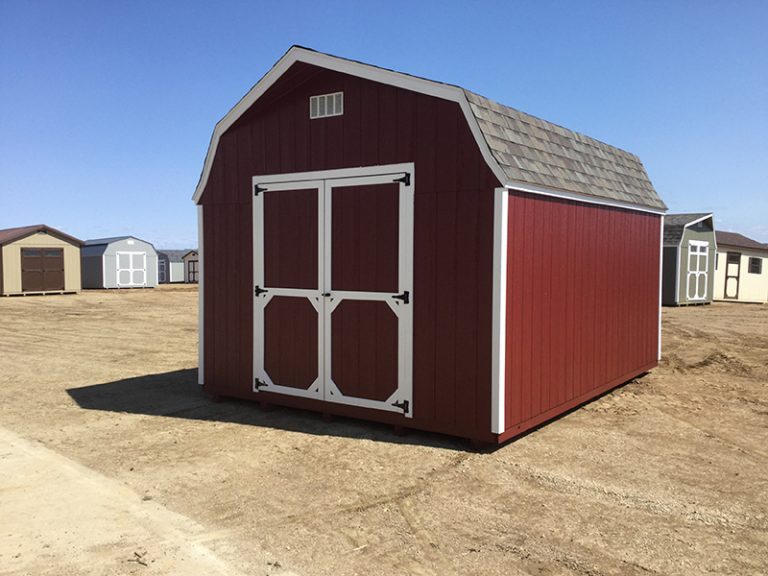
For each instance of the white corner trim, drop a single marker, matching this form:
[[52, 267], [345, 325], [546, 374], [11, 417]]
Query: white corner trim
[[200, 301], [544, 191], [499, 337], [661, 280], [678, 257]]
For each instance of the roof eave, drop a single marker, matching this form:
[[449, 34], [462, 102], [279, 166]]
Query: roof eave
[[557, 193]]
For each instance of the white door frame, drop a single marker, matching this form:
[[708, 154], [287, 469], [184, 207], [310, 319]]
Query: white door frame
[[701, 249], [324, 300], [130, 254], [261, 379]]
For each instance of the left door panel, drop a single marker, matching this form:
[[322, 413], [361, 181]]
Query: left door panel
[[288, 289]]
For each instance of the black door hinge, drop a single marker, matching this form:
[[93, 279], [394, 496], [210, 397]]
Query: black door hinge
[[404, 406], [405, 297], [258, 383], [405, 179], [257, 189], [258, 291]]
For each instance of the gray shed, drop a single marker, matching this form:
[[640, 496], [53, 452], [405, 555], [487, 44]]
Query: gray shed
[[690, 250], [170, 266], [119, 262]]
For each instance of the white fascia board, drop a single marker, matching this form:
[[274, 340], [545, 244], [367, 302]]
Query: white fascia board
[[544, 191], [397, 79], [697, 221]]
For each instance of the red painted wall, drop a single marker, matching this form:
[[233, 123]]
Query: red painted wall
[[453, 235], [582, 304]]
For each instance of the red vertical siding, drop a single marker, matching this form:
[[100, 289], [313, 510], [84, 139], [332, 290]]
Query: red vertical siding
[[453, 235], [582, 304]]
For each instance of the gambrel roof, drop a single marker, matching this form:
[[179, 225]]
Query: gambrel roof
[[524, 152], [675, 225]]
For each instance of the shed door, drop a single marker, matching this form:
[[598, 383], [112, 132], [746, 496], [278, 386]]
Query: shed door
[[698, 270], [732, 272], [131, 269], [42, 269], [333, 290]]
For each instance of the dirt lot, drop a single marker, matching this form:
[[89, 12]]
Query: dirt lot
[[113, 462]]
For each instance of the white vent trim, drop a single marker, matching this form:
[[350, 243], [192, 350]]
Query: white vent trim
[[325, 105]]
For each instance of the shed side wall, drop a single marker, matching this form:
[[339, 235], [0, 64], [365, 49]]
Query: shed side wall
[[12, 261], [582, 304], [453, 234], [669, 277]]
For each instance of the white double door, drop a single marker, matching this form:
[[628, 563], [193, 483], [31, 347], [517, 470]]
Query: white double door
[[131, 269], [333, 295]]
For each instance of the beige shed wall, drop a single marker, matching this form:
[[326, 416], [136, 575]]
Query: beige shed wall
[[752, 287], [12, 261]]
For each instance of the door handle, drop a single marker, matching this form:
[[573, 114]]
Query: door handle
[[326, 294]]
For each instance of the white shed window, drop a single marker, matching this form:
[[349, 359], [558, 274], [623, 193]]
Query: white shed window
[[326, 105]]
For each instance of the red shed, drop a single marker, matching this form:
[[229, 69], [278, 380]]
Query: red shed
[[378, 245]]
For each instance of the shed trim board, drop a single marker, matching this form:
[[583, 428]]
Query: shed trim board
[[500, 238], [200, 301], [400, 80], [325, 298], [661, 278]]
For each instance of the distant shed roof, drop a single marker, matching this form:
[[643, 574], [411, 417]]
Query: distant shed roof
[[739, 240], [173, 255], [9, 235], [674, 224], [105, 241]]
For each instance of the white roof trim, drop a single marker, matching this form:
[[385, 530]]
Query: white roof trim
[[399, 80], [544, 191], [298, 54], [697, 221]]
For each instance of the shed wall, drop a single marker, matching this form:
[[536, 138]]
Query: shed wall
[[582, 304], [92, 271], [11, 261], [453, 235], [752, 287], [669, 277]]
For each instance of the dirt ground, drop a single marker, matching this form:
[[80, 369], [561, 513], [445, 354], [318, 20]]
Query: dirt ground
[[113, 462]]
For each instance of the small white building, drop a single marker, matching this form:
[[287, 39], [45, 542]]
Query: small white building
[[191, 267], [170, 266], [741, 269]]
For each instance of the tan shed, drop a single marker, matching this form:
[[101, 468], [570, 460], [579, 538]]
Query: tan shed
[[38, 260]]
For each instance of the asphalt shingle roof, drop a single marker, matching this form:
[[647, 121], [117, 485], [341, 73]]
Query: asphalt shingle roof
[[674, 224], [535, 151], [9, 235], [736, 239], [173, 255]]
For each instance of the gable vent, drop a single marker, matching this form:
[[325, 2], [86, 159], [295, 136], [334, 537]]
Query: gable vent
[[326, 105]]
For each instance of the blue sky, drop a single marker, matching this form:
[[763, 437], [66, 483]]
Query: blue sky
[[106, 108]]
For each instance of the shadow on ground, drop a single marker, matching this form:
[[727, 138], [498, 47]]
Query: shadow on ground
[[177, 395]]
